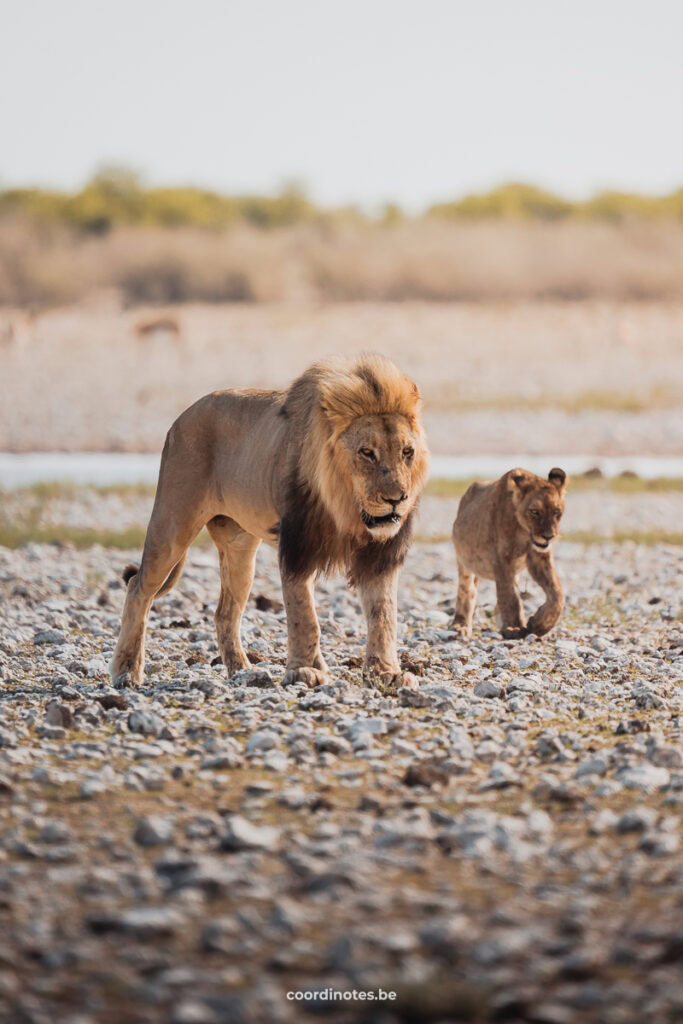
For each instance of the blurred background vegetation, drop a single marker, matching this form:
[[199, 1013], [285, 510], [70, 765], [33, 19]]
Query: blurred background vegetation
[[170, 245], [116, 197]]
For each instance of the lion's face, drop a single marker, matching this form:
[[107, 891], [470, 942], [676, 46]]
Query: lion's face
[[385, 462], [539, 506]]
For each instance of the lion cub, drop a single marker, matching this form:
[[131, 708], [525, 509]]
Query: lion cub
[[500, 529]]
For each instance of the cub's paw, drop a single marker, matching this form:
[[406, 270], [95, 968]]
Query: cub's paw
[[514, 632], [310, 676], [539, 626]]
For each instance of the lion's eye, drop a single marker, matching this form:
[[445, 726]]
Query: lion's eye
[[368, 453], [534, 512], [408, 453], [557, 513]]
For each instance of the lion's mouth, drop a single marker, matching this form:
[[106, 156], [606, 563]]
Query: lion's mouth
[[372, 522], [540, 545]]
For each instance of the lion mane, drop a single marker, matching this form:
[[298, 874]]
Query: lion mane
[[320, 528]]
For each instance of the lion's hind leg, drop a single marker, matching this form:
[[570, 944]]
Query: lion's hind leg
[[236, 554], [465, 601], [161, 565]]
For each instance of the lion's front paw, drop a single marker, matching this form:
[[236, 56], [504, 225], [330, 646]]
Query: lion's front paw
[[305, 674], [389, 681], [514, 632], [461, 628], [123, 678]]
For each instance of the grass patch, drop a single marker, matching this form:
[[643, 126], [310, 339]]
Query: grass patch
[[626, 484], [583, 401], [132, 537], [52, 490], [18, 536], [622, 537], [648, 537], [445, 488]]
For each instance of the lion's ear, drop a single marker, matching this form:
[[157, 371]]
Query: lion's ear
[[558, 477]]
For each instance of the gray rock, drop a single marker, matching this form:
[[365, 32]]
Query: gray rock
[[412, 698], [140, 922], [647, 777], [259, 677], [604, 821], [59, 714], [501, 776], [49, 636], [153, 830], [637, 819], [490, 688], [660, 844], [593, 766], [241, 834], [7, 738], [261, 741], [146, 723], [331, 744]]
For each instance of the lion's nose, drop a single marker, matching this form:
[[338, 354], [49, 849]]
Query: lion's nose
[[395, 501]]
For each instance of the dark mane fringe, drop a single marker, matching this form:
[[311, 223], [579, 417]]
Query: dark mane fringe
[[308, 538], [309, 541], [377, 557]]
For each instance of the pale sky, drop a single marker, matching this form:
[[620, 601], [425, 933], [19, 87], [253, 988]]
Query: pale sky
[[361, 100]]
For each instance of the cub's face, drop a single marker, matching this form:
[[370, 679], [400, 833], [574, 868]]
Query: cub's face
[[387, 461], [539, 505]]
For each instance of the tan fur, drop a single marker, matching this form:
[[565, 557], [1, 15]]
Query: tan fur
[[330, 471], [500, 529]]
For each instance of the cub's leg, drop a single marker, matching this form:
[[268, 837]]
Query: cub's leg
[[305, 663], [165, 548], [510, 607], [465, 601], [542, 569], [236, 554]]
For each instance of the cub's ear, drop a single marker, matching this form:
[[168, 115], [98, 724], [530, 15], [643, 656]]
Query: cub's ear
[[558, 477], [520, 480], [520, 483]]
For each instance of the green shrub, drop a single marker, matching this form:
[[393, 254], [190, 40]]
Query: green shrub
[[514, 201]]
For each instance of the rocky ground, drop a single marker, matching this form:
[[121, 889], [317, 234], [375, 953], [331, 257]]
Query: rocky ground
[[502, 843]]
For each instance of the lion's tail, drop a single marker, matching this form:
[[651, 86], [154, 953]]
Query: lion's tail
[[168, 584]]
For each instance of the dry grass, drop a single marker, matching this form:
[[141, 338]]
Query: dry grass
[[443, 488], [341, 260]]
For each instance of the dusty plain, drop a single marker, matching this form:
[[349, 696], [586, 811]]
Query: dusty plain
[[585, 377]]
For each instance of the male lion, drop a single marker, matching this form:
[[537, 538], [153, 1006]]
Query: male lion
[[500, 528], [330, 471]]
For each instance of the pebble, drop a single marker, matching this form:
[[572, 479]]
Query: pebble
[[241, 834], [153, 830], [146, 723], [644, 776], [490, 688]]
